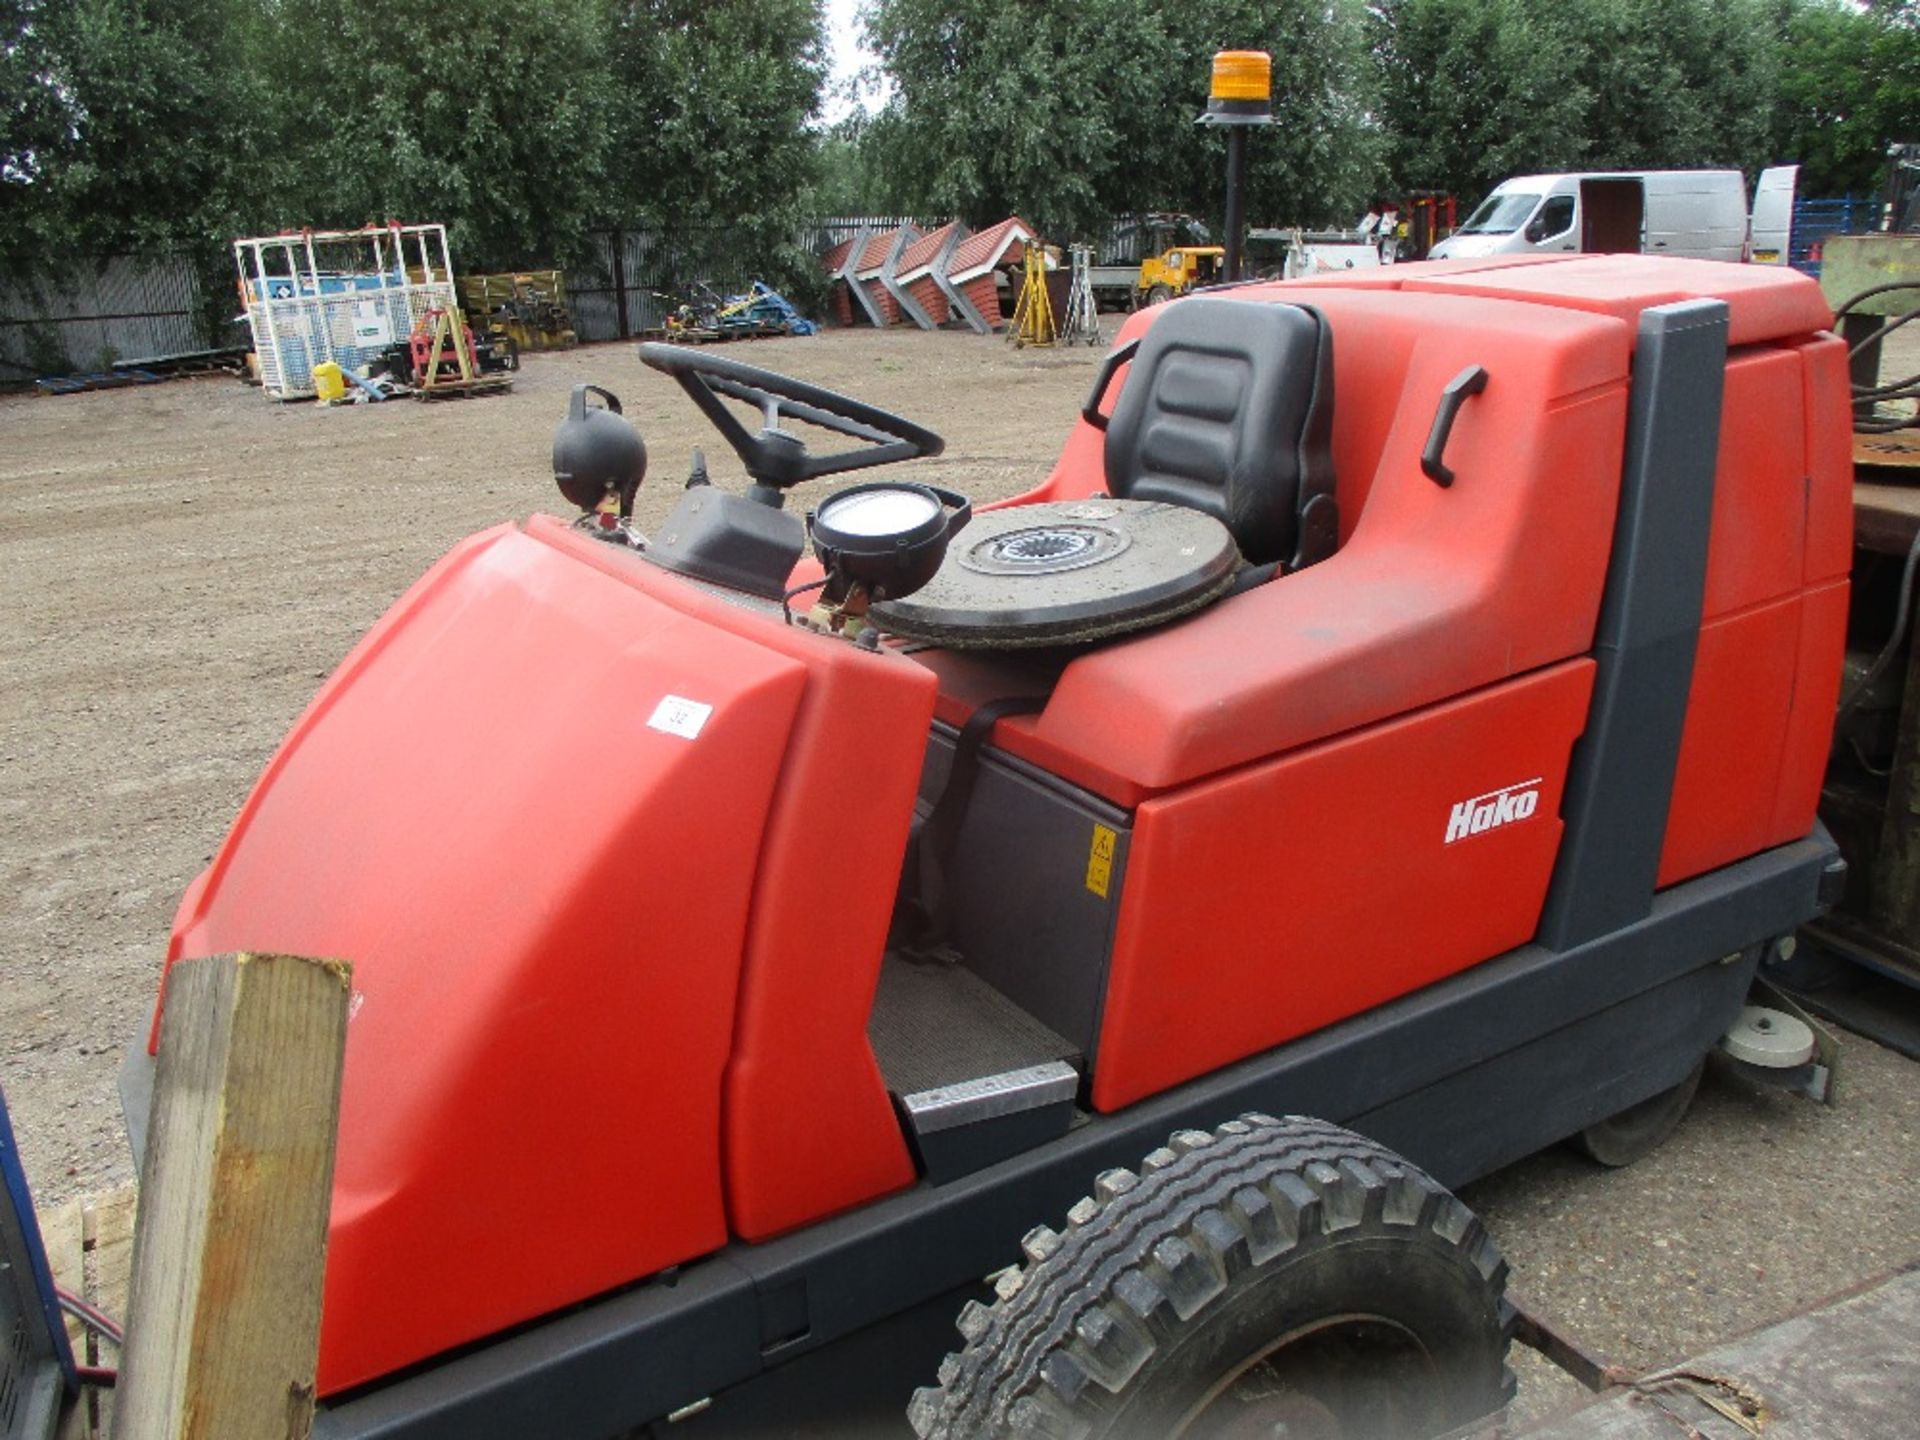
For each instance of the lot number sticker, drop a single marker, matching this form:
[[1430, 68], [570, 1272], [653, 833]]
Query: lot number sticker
[[676, 715]]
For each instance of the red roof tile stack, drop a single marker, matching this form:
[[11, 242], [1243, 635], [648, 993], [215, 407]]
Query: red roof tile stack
[[838, 299], [915, 271]]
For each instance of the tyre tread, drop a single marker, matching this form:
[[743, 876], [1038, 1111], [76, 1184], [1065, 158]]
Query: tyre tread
[[1089, 1307]]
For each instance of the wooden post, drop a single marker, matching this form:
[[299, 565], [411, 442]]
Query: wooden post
[[223, 1319]]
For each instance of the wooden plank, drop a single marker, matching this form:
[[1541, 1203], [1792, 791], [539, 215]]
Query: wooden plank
[[63, 1233], [109, 1235], [110, 1248], [1896, 449], [89, 1247], [223, 1319]]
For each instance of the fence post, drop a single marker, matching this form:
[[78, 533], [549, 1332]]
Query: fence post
[[620, 279], [223, 1318]]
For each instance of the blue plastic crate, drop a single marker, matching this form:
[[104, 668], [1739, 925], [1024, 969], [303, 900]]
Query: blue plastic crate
[[1817, 221]]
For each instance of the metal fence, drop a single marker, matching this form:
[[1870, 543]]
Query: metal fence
[[1816, 221], [633, 277], [125, 307], [98, 310]]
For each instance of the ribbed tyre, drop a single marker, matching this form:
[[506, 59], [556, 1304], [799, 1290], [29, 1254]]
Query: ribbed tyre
[[1274, 1277]]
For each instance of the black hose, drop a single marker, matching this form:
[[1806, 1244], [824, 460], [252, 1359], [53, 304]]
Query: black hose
[[1866, 420], [1902, 613]]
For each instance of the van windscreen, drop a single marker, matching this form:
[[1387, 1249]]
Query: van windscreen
[[1500, 214]]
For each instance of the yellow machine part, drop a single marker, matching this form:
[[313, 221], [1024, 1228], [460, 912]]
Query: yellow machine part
[[529, 306], [1033, 318], [1179, 270]]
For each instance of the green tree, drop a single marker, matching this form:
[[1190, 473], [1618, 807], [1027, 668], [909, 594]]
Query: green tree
[[1475, 90], [710, 125], [34, 118], [1673, 84], [1849, 87], [850, 176], [130, 123], [1070, 114], [495, 117]]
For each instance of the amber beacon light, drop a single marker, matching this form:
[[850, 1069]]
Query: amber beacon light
[[1242, 86], [1241, 96]]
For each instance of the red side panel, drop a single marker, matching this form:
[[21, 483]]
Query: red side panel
[[1731, 749], [544, 897], [807, 1127], [1757, 545], [1286, 896], [1816, 691], [1829, 461], [1773, 632], [1370, 347]]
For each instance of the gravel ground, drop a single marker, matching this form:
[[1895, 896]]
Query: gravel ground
[[184, 563]]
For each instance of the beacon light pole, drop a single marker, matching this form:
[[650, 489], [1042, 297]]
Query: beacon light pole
[[1241, 96]]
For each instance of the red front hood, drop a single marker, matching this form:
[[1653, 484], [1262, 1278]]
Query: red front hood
[[528, 809]]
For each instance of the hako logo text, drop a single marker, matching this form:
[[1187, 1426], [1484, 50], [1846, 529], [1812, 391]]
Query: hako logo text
[[1495, 808]]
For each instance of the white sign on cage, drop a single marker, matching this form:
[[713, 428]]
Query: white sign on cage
[[371, 324]]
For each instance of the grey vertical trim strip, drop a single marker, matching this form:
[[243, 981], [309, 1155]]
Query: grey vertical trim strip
[[890, 277], [957, 300], [1620, 784]]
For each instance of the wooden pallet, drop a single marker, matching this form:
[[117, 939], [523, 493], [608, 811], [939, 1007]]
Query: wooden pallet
[[90, 1251], [1898, 449]]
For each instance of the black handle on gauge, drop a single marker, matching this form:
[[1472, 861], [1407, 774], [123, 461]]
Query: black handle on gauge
[[959, 504], [1470, 381]]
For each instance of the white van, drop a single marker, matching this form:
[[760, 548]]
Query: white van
[[1773, 214], [1697, 213]]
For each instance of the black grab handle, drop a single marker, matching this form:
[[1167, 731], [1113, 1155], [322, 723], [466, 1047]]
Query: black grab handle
[[577, 406], [1470, 381], [1116, 357]]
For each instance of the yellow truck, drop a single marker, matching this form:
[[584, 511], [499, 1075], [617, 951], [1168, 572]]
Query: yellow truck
[[1165, 276]]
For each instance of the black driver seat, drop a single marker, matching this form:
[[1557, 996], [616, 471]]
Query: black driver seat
[[1229, 409]]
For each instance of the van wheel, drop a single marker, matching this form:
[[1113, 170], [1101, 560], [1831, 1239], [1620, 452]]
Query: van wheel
[[1274, 1277], [1640, 1129]]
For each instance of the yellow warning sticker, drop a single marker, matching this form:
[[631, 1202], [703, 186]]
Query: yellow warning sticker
[[1100, 860]]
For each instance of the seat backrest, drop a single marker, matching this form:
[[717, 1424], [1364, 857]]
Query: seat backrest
[[1229, 409]]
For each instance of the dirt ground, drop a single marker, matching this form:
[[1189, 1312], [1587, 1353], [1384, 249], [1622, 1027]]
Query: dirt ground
[[183, 563], [180, 566]]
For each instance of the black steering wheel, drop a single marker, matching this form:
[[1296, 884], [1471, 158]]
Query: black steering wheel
[[777, 458]]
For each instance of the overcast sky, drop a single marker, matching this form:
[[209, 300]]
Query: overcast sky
[[848, 55]]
